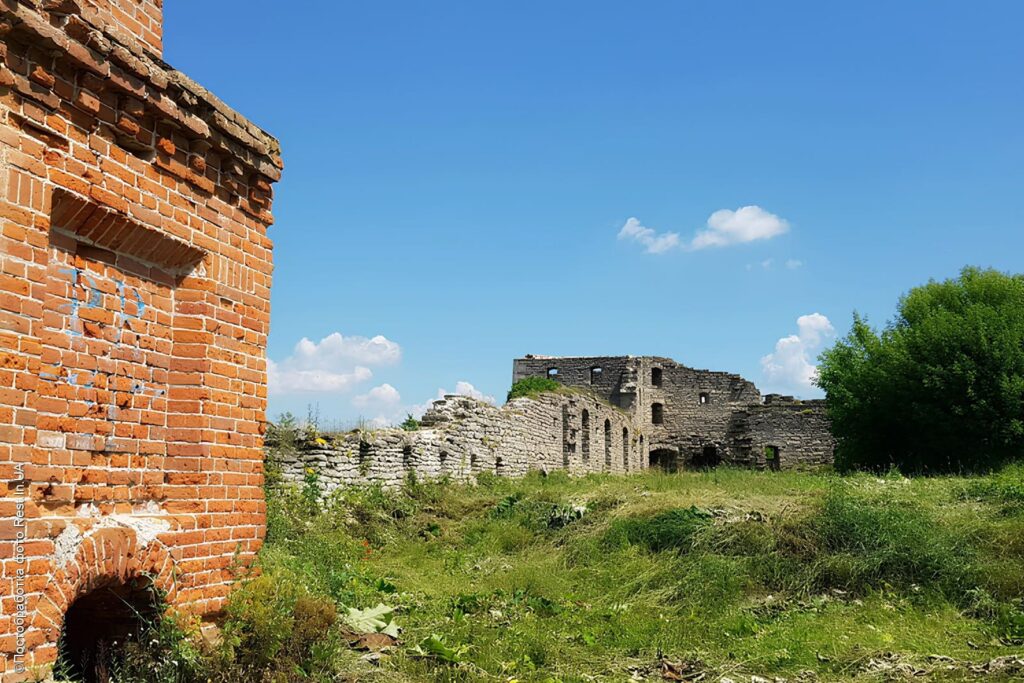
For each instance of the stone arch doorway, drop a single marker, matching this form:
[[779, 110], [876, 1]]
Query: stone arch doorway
[[664, 459], [708, 458]]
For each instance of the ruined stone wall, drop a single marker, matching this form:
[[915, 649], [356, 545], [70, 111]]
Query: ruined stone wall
[[461, 437], [695, 417], [800, 430], [696, 406], [135, 271]]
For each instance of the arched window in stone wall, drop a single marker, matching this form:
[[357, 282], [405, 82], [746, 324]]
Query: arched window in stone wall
[[596, 373], [473, 462], [553, 373], [608, 444], [567, 445], [444, 462], [656, 377], [625, 449], [657, 413], [704, 399], [499, 466], [585, 436]]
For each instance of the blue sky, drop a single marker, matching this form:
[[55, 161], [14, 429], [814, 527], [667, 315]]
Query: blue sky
[[458, 175]]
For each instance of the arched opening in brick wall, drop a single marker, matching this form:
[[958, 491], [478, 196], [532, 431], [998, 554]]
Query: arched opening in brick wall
[[657, 413], [99, 623]]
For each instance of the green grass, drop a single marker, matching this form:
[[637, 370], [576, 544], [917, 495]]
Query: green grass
[[744, 572], [735, 572]]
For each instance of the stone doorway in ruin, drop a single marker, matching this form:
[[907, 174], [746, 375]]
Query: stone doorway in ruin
[[664, 459], [707, 459], [98, 625]]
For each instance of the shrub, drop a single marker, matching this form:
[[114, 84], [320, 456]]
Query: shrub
[[669, 530], [274, 625], [941, 388], [856, 544], [410, 423], [531, 386]]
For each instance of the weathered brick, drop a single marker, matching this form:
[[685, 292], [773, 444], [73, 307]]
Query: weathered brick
[[109, 349]]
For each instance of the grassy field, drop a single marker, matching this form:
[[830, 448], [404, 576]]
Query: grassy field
[[728, 573]]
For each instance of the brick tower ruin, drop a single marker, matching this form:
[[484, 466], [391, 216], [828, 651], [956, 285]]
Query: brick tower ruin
[[135, 275]]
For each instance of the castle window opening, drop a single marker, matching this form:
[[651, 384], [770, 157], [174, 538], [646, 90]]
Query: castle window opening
[[595, 375], [406, 457], [585, 437], [771, 457], [499, 465], [656, 377], [657, 413], [608, 444], [444, 461], [625, 449], [472, 462], [553, 373], [704, 398]]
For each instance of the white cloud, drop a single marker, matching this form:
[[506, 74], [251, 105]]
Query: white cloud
[[793, 264], [746, 224], [789, 368], [653, 242], [461, 389], [334, 364], [382, 396]]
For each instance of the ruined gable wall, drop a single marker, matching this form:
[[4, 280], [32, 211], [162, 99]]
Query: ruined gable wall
[[614, 383], [462, 437], [689, 424], [134, 306]]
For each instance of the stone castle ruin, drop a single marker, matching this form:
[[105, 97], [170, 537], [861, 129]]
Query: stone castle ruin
[[616, 414], [135, 273]]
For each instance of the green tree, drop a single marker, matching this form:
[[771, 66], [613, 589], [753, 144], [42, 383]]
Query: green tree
[[941, 388]]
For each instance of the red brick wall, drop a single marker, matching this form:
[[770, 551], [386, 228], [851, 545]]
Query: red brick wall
[[135, 272], [140, 19]]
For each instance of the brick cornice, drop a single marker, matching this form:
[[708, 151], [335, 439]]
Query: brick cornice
[[126, 69]]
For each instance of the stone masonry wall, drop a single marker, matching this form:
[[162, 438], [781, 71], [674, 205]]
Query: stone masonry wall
[[461, 437], [695, 417], [800, 430], [135, 272]]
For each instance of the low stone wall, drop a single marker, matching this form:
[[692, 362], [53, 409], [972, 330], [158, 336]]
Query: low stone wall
[[460, 437]]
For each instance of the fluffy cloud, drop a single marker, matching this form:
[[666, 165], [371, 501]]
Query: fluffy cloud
[[384, 395], [793, 264], [461, 389], [334, 364], [788, 369], [653, 242], [746, 224]]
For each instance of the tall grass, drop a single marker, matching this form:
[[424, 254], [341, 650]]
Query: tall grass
[[561, 579]]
